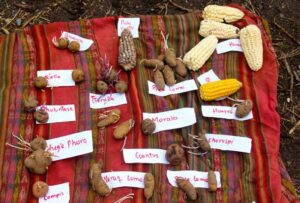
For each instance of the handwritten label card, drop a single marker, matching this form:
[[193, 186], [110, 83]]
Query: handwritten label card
[[229, 143], [130, 23], [57, 193], [71, 145], [59, 113], [173, 119], [151, 156], [124, 179], [98, 101], [209, 76], [229, 45], [57, 78], [185, 86], [197, 178], [226, 112], [84, 43]]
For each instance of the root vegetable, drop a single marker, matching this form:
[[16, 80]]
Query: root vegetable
[[38, 161], [74, 46], [244, 109], [112, 117], [203, 142], [110, 76], [180, 68], [148, 126], [121, 86], [149, 185], [159, 79], [169, 75], [41, 116], [78, 75], [212, 181], [40, 82], [170, 57], [40, 189], [102, 87], [98, 184], [153, 63], [175, 154], [30, 103], [123, 129], [187, 187], [62, 43], [161, 57], [38, 143]]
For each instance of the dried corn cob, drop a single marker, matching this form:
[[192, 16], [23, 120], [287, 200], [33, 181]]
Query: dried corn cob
[[127, 54], [251, 42], [222, 13], [220, 30], [199, 54], [214, 90]]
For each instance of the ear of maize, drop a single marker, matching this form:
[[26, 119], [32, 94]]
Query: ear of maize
[[199, 54], [127, 53], [251, 42], [222, 88], [220, 30], [222, 13]]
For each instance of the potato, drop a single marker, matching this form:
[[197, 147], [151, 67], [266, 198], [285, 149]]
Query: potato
[[102, 87], [180, 68], [38, 161], [38, 143], [212, 181], [175, 154], [40, 189], [112, 117], [153, 63], [187, 187], [170, 57], [148, 126], [41, 116], [161, 57], [74, 46], [169, 75], [123, 129], [30, 103], [159, 79], [203, 142], [121, 86], [244, 109], [98, 184], [149, 183], [78, 75], [40, 82]]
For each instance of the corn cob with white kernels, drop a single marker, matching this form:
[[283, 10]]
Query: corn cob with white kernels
[[127, 54], [220, 30], [251, 42], [222, 13], [199, 54], [221, 88]]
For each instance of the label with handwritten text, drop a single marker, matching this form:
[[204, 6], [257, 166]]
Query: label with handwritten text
[[209, 76], [99, 101], [57, 78], [59, 113], [130, 23], [150, 156], [124, 179], [229, 45], [185, 86], [84, 43], [57, 193]]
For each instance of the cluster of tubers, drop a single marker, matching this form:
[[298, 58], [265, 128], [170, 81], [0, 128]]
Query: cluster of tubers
[[64, 43]]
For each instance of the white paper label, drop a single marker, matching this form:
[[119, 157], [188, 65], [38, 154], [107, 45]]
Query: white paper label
[[57, 193], [229, 143], [84, 43], [98, 101], [124, 179], [226, 112], [59, 113], [71, 145], [151, 156], [185, 86], [130, 23], [209, 76], [229, 45], [173, 119], [197, 178], [57, 78]]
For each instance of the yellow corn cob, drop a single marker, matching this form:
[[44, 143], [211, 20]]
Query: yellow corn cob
[[214, 90], [199, 54], [220, 30], [222, 13], [251, 42]]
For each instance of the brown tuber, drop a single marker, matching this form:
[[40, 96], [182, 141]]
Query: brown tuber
[[41, 116], [102, 87], [244, 109], [169, 75], [110, 76], [38, 161], [203, 142], [40, 189], [30, 103], [78, 75], [38, 143], [40, 82], [149, 185], [153, 63], [110, 117], [121, 86], [123, 129], [180, 68], [148, 126], [161, 57], [62, 43], [159, 79], [212, 181], [170, 57], [98, 184], [74, 46], [187, 187], [175, 154]]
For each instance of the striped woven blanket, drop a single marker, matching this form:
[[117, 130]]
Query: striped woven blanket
[[259, 176]]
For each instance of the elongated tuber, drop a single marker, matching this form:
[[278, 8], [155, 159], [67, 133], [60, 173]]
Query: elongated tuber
[[98, 184], [187, 187], [149, 185], [212, 181], [109, 117], [123, 129]]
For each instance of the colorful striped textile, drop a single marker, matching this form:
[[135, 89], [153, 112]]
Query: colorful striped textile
[[259, 176]]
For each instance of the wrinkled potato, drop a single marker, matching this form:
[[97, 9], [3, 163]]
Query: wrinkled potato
[[153, 63], [175, 154], [159, 80], [30, 103], [148, 126], [169, 75], [40, 189], [40, 82], [78, 75], [38, 143], [187, 187], [38, 161], [41, 115], [244, 108]]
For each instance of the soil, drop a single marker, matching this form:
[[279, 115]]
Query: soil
[[283, 17]]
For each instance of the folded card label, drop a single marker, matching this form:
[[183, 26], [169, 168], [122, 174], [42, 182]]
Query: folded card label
[[98, 101], [57, 78], [209, 76], [84, 43], [185, 86], [59, 113], [151, 156], [229, 45], [130, 23], [226, 112], [173, 119], [124, 179], [57, 193], [229, 143], [71, 145], [197, 178]]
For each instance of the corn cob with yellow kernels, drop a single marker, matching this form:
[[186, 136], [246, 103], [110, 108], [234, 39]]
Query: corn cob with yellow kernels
[[251, 42], [127, 54], [200, 53], [220, 30], [222, 13], [222, 88]]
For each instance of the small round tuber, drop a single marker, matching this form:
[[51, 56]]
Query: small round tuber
[[38, 161], [175, 154], [41, 116], [161, 57], [40, 82], [74, 46], [148, 126], [102, 87], [121, 86], [62, 43], [149, 185], [203, 142], [30, 103], [40, 189], [38, 143], [244, 109], [78, 75]]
